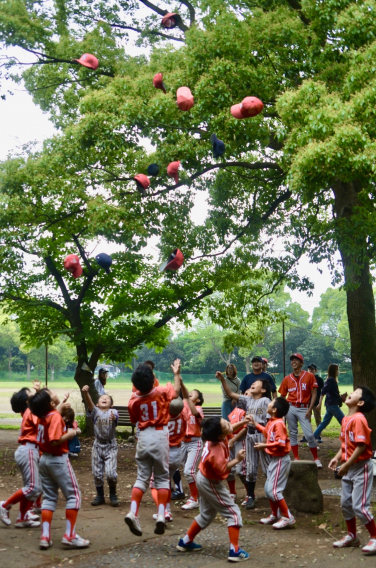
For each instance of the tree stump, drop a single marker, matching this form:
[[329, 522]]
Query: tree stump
[[302, 491]]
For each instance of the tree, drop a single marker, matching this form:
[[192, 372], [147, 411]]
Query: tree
[[301, 173]]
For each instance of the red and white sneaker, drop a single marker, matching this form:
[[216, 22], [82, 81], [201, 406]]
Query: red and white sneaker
[[167, 515], [284, 523], [45, 543], [4, 515], [269, 520], [348, 540], [75, 541], [318, 463], [370, 548], [31, 516], [190, 504], [26, 523]]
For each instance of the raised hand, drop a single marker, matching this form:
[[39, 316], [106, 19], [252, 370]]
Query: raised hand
[[219, 376], [86, 388], [176, 367], [37, 385], [240, 455], [66, 396]]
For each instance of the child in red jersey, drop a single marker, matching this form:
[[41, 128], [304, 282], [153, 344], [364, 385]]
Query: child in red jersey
[[235, 444], [278, 447], [356, 469], [55, 468], [192, 445], [149, 406], [27, 459], [215, 497]]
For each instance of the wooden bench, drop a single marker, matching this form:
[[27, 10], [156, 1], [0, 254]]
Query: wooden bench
[[124, 419]]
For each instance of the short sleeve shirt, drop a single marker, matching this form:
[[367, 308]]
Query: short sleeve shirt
[[194, 422], [276, 435], [177, 427], [50, 429], [252, 378], [298, 389], [152, 408], [354, 431], [29, 427], [99, 387], [237, 414], [104, 428], [256, 407], [214, 460]]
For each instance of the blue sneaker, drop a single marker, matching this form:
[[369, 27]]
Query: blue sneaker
[[189, 547], [239, 556]]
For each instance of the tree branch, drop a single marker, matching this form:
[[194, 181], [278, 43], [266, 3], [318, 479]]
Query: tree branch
[[192, 13], [145, 32], [295, 5], [161, 12], [32, 302], [59, 279], [283, 197], [182, 308], [83, 255]]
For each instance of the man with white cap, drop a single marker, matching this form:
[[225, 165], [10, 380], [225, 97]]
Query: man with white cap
[[301, 389]]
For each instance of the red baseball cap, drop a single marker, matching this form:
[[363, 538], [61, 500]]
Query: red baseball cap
[[173, 170], [88, 60], [265, 359], [250, 106], [184, 98], [158, 82], [71, 262], [143, 180], [78, 272], [174, 261], [170, 20], [297, 356]]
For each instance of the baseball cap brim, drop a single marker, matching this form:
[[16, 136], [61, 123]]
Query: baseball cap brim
[[236, 111], [297, 356]]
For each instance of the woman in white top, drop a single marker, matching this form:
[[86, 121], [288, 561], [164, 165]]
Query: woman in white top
[[101, 381], [234, 384]]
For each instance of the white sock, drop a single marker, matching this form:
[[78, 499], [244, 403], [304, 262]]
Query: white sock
[[46, 529], [68, 528], [168, 508], [161, 510], [186, 539], [134, 507]]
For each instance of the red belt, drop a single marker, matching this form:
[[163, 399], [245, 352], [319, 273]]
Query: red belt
[[299, 405]]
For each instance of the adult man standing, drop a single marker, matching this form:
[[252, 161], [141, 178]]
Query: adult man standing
[[256, 375], [316, 409], [101, 381], [301, 388]]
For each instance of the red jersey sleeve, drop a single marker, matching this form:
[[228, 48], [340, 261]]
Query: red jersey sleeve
[[56, 427], [362, 433], [283, 389]]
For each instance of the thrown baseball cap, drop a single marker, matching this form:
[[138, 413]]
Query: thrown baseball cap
[[257, 359], [184, 98], [142, 182], [174, 261], [88, 60], [250, 106], [297, 356], [173, 170], [218, 146], [158, 82], [104, 260], [153, 170], [72, 264], [170, 20]]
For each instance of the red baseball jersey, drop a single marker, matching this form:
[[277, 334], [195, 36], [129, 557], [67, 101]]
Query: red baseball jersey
[[277, 440], [156, 384], [50, 429], [237, 415], [299, 389], [354, 431], [29, 427], [214, 459], [177, 427], [194, 422], [151, 409]]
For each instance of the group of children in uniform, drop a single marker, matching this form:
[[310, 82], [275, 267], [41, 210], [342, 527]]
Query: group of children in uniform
[[170, 432]]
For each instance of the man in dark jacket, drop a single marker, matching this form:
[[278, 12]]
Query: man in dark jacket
[[316, 411]]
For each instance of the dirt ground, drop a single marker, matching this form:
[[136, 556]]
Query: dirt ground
[[308, 543]]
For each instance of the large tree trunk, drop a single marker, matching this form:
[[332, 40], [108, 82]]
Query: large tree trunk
[[360, 300]]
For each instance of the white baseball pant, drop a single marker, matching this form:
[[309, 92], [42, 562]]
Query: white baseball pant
[[152, 454], [277, 476], [27, 459], [214, 497], [191, 454], [57, 472], [254, 457], [104, 458], [356, 492], [294, 416], [240, 468]]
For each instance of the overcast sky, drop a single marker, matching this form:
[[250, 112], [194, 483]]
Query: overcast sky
[[23, 122]]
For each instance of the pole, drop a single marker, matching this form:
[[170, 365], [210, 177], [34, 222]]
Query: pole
[[46, 364], [284, 348]]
